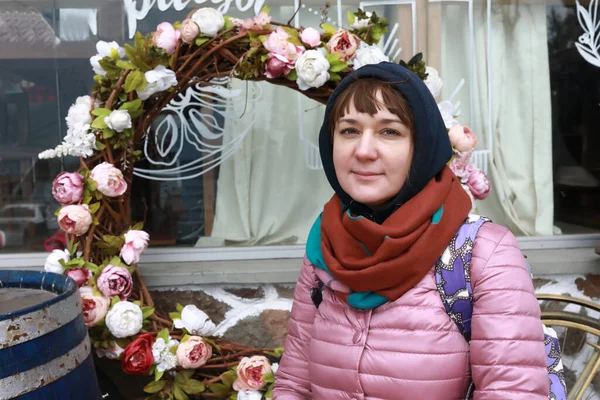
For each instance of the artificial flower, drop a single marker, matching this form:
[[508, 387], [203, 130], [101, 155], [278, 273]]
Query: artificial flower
[[343, 43], [137, 355], [195, 321], [189, 31], [75, 219], [119, 120], [166, 37], [105, 49], [164, 358], [362, 22], [159, 79], [94, 308], [209, 20], [135, 243], [312, 69], [109, 180], [434, 82], [311, 37], [115, 281], [193, 353], [250, 371], [52, 263], [369, 55], [124, 319], [79, 275], [462, 138], [67, 188]]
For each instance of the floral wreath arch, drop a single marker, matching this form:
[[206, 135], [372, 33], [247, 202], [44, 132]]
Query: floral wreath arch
[[106, 131]]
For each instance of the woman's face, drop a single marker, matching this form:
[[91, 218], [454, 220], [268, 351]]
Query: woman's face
[[372, 155]]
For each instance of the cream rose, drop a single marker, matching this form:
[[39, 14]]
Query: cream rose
[[195, 321], [434, 82], [119, 120], [369, 55], [52, 263], [189, 31], [124, 319], [209, 20], [159, 79], [312, 69], [75, 219]]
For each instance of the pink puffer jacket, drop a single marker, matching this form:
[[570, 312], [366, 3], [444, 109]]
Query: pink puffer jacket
[[410, 349]]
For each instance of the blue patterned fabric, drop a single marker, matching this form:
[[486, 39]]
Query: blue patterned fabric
[[453, 281]]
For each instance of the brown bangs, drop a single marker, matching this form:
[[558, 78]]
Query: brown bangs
[[362, 94]]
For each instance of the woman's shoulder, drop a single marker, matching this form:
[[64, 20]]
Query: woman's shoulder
[[496, 246]]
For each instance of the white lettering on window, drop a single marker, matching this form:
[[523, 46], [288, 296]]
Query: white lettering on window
[[134, 14]]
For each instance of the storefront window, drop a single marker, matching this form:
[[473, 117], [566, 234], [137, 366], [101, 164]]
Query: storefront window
[[238, 165]]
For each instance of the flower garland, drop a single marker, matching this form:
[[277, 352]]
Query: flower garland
[[106, 129]]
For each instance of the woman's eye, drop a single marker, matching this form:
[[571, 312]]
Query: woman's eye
[[348, 131], [390, 132]]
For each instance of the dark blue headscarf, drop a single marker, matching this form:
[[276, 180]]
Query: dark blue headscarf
[[432, 149]]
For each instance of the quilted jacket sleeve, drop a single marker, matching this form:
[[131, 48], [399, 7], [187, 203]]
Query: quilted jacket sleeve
[[292, 380], [508, 359]]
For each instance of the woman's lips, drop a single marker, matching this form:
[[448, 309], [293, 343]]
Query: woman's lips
[[366, 176]]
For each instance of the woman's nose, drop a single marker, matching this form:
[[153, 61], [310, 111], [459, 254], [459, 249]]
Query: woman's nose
[[366, 146]]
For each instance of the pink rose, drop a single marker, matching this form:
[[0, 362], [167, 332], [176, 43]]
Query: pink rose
[[112, 353], [189, 31], [343, 43], [250, 372], [276, 66], [75, 219], [110, 181], [193, 353], [115, 281], [94, 307], [459, 164], [311, 37], [262, 19], [478, 183], [79, 275], [135, 244], [462, 138], [248, 24], [277, 43], [67, 188], [166, 37]]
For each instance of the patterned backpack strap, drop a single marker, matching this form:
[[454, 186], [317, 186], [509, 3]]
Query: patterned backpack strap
[[453, 274]]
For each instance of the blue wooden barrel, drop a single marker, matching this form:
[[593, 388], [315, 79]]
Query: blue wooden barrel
[[45, 350]]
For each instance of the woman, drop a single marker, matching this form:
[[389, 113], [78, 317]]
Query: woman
[[381, 330]]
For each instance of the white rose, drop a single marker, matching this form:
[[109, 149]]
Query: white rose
[[249, 395], [434, 82], [163, 357], [124, 319], [209, 20], [53, 265], [119, 120], [79, 112], [369, 55], [449, 111], [195, 321], [312, 68], [105, 49], [362, 23], [159, 79]]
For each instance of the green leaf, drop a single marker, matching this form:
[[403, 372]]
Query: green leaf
[[185, 338], [269, 393], [201, 40], [138, 227], [136, 80], [114, 301], [228, 377], [179, 393], [334, 77], [100, 146], [131, 105], [126, 64], [92, 267], [292, 76], [193, 386], [265, 9], [94, 208], [219, 389], [101, 112], [108, 133], [213, 344], [109, 66], [332, 57], [351, 17], [97, 195], [117, 262], [338, 66], [154, 387], [277, 352], [416, 58], [164, 335], [179, 307], [147, 312], [130, 52], [269, 378], [329, 29], [174, 316], [99, 123], [158, 374]]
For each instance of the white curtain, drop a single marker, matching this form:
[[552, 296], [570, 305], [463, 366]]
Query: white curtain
[[521, 163], [266, 194]]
